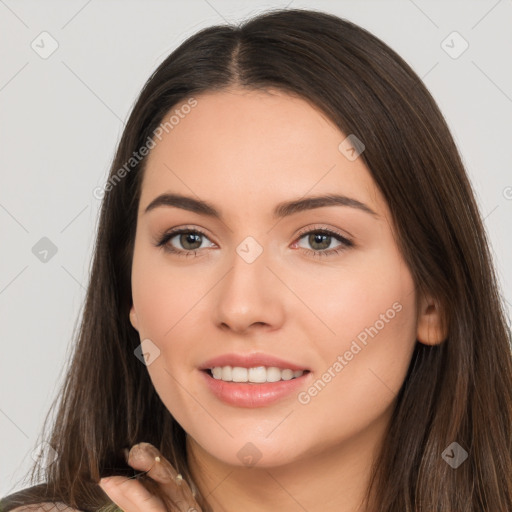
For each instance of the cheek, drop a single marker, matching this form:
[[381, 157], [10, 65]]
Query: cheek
[[163, 294], [164, 299], [373, 315], [167, 300], [351, 302]]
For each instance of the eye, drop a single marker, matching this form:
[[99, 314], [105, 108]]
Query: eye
[[320, 240], [190, 239]]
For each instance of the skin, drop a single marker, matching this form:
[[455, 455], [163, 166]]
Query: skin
[[245, 151]]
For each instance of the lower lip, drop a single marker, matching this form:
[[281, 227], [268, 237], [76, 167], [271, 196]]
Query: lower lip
[[241, 394]]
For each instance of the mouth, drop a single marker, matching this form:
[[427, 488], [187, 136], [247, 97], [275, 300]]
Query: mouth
[[255, 376], [241, 392]]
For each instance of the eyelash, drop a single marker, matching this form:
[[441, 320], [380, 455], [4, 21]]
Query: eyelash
[[346, 243]]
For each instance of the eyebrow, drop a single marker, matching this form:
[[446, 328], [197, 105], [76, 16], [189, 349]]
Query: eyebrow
[[283, 209]]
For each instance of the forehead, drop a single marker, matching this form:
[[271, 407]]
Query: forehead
[[241, 146]]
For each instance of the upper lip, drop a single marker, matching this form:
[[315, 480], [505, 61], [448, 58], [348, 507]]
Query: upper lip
[[250, 361]]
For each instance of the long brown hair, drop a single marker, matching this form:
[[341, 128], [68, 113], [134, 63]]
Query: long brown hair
[[459, 391]]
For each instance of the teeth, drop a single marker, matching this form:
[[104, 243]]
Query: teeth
[[256, 374]]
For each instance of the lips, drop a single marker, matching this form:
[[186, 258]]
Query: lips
[[251, 395], [251, 361]]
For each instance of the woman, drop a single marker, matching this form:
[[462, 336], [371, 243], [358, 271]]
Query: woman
[[292, 303]]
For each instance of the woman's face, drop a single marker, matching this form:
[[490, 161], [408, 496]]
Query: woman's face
[[270, 284]]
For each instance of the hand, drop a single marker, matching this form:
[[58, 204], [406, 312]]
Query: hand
[[132, 496]]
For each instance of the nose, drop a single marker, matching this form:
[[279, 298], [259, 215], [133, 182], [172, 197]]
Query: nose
[[249, 296]]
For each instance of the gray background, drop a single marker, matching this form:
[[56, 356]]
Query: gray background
[[62, 116]]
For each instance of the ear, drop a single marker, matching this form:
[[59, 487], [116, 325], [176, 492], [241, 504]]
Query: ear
[[133, 318], [431, 328]]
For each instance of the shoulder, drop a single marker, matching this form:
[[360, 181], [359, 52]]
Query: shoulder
[[32, 500], [46, 506]]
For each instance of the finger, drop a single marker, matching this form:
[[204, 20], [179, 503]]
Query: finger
[[130, 495], [146, 457]]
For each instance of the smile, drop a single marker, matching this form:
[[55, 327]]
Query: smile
[[254, 394]]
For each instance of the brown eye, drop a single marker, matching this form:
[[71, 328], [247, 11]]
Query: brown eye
[[185, 242], [189, 241], [320, 241]]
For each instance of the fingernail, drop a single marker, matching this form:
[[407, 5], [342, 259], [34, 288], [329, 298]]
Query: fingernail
[[105, 480], [126, 453]]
